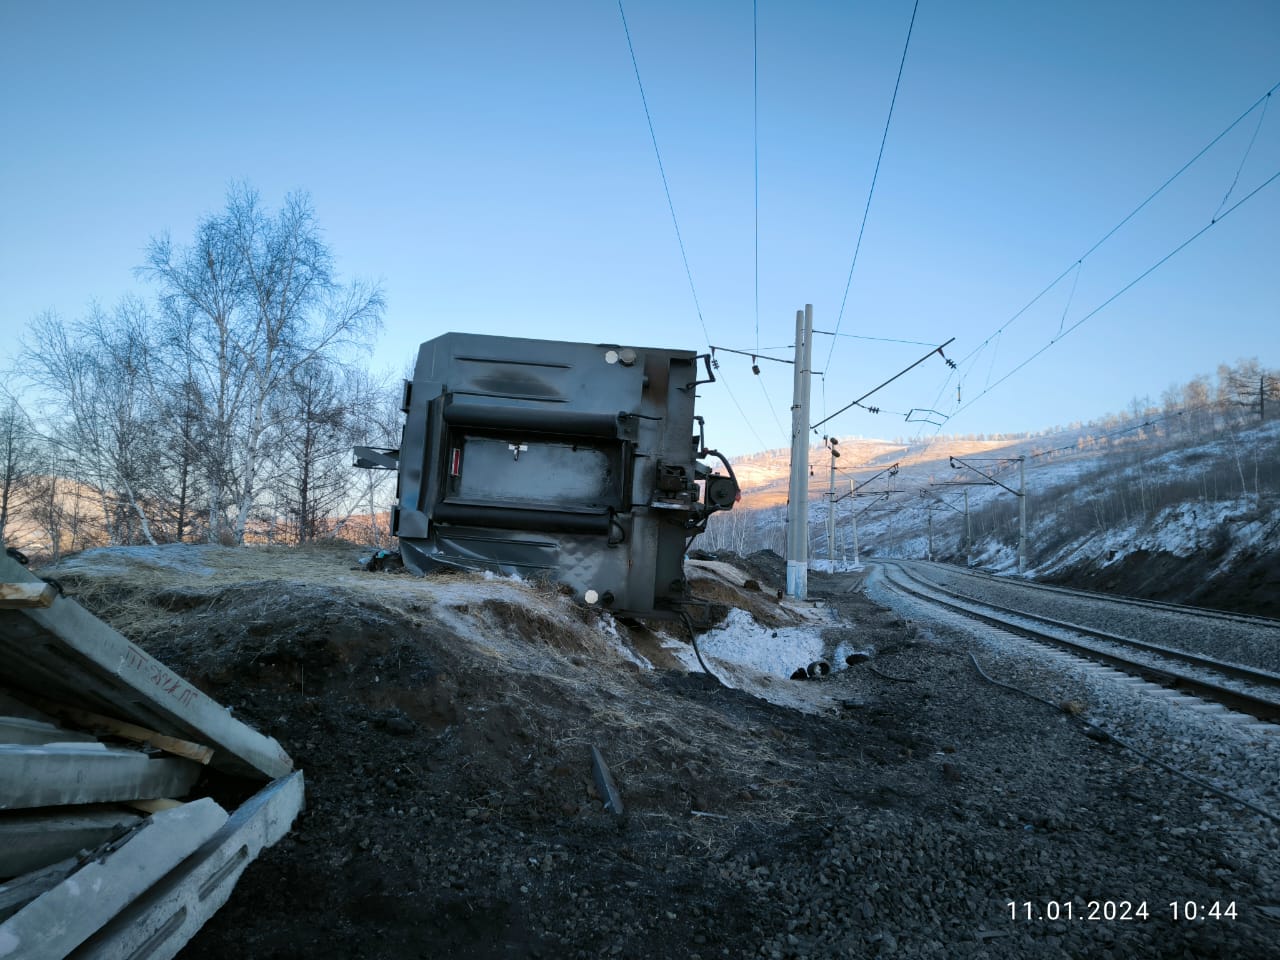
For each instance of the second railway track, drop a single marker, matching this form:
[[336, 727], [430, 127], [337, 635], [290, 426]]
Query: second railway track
[[1180, 670]]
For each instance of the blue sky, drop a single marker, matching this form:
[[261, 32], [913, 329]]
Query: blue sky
[[490, 164]]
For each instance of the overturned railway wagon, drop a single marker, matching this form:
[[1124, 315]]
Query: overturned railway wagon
[[575, 460]]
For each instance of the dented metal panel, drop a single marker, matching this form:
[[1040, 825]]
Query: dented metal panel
[[575, 460]]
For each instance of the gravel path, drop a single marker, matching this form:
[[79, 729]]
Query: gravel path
[[1233, 753]]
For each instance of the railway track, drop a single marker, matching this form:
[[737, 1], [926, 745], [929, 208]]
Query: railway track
[[1235, 686], [1202, 613]]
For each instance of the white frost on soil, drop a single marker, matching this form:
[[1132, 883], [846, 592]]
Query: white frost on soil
[[609, 630], [185, 558], [1181, 530]]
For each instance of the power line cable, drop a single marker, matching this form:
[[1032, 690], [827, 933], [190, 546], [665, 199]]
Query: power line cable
[[1128, 286], [1148, 422], [824, 395], [992, 365], [1248, 150], [857, 403], [786, 434], [755, 147], [874, 176], [675, 222], [858, 336], [1132, 213], [662, 170], [1075, 282], [755, 368]]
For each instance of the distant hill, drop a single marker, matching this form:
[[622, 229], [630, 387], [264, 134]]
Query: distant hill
[[1164, 505]]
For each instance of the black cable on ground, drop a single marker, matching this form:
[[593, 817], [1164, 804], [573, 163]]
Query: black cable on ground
[[693, 638], [1095, 732], [887, 677]]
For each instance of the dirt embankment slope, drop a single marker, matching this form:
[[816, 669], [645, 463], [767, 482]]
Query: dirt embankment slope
[[445, 725]]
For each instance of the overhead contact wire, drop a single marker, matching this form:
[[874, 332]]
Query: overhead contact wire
[[884, 138], [1128, 286], [666, 187], [1132, 213], [1247, 150], [675, 222], [755, 147]]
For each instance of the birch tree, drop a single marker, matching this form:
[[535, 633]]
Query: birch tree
[[18, 460], [247, 306], [375, 420], [90, 372]]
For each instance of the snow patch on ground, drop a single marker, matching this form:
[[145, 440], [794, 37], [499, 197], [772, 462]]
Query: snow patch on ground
[[759, 660], [996, 557], [742, 642], [490, 575], [839, 566], [609, 630], [1182, 529], [1070, 478]]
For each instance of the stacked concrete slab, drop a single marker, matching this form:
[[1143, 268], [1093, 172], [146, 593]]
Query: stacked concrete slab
[[105, 850]]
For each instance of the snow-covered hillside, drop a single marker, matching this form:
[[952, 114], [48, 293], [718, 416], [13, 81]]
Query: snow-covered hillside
[[1157, 505]]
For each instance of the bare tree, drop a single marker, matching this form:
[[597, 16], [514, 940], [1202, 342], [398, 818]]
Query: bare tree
[[203, 290], [90, 371], [19, 460], [248, 306], [312, 445], [55, 508], [375, 420], [1196, 402], [1247, 388], [181, 411]]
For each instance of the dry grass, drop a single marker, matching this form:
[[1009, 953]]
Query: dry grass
[[537, 646]]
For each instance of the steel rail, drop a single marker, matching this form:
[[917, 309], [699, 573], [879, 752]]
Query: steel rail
[[1225, 667], [1239, 700], [1270, 623]]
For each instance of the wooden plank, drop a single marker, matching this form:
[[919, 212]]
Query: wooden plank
[[100, 725], [35, 593], [154, 806]]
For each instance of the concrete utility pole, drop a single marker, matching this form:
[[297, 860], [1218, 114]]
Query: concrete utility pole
[[853, 518], [1021, 493], [892, 472], [1022, 515], [929, 510], [798, 490], [968, 532], [831, 504]]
